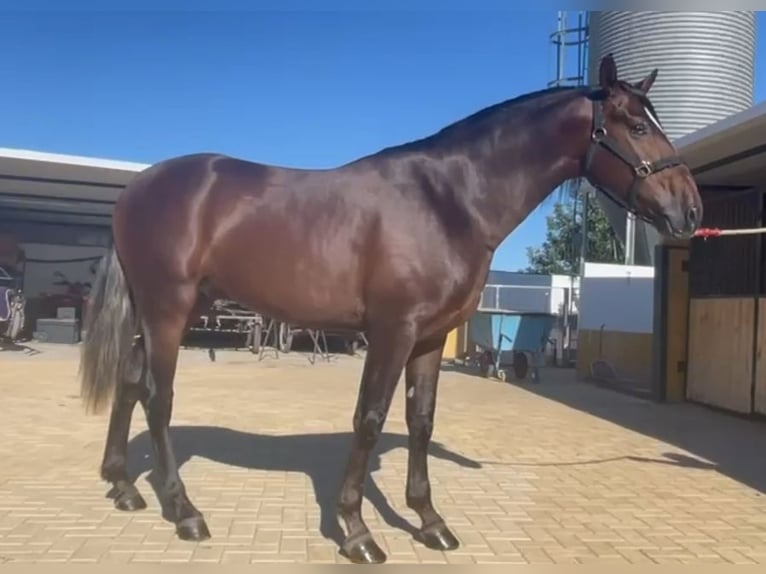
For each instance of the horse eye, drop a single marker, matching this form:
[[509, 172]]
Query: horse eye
[[639, 129]]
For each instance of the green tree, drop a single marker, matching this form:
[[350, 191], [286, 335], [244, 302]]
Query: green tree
[[560, 252]]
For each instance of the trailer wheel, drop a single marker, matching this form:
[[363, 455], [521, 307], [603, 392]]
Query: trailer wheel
[[520, 365]]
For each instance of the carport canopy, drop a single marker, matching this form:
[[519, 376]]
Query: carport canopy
[[39, 186]]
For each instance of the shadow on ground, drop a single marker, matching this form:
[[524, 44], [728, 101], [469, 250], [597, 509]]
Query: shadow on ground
[[734, 446], [16, 347], [322, 457]]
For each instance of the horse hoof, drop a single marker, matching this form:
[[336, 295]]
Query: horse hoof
[[364, 551], [192, 529], [130, 502], [438, 537]]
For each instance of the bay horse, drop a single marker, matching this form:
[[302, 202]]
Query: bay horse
[[397, 244]]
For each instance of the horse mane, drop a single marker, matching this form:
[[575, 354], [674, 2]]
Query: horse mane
[[465, 125], [503, 106]]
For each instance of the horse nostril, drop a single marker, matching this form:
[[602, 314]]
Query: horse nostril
[[692, 215]]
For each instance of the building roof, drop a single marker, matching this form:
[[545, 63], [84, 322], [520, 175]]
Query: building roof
[[729, 152], [34, 173], [47, 186]]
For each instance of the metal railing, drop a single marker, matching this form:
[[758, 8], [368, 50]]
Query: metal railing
[[526, 299]]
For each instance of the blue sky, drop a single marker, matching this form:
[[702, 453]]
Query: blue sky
[[297, 88]]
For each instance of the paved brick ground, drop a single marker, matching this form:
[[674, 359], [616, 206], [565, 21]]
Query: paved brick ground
[[560, 472]]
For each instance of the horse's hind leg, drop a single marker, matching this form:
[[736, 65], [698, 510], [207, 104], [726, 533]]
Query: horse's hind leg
[[421, 378], [114, 465], [389, 347], [164, 319]]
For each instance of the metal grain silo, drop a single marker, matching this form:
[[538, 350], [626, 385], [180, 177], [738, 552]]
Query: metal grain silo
[[705, 62]]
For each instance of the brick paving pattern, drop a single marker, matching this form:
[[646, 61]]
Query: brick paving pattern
[[560, 472]]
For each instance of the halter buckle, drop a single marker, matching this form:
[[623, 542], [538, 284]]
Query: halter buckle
[[643, 170], [598, 134]]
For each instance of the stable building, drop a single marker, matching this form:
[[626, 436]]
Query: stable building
[[710, 294], [692, 326]]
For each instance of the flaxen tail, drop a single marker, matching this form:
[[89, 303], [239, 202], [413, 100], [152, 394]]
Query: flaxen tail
[[110, 323]]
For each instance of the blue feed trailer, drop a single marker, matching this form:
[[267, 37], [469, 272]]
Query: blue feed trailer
[[522, 333]]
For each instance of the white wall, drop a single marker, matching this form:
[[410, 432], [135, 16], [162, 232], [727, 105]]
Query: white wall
[[560, 284], [39, 278], [620, 297]]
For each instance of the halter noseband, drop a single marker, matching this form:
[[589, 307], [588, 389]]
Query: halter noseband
[[641, 168]]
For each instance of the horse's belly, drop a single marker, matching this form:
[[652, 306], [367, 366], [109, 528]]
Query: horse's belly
[[298, 289]]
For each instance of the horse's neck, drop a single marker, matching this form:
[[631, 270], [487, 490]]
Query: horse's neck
[[525, 163]]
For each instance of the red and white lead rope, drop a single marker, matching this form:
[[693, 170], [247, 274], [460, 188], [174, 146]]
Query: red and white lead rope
[[706, 232]]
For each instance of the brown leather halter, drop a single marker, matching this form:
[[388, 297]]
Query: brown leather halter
[[641, 168]]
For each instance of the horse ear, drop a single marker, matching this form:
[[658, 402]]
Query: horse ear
[[646, 84], [607, 72]]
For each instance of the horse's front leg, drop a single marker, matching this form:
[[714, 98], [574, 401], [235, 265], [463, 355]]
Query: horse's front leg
[[422, 376], [389, 347]]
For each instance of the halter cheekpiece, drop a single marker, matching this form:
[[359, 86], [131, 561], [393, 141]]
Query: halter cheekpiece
[[641, 168]]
